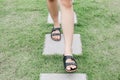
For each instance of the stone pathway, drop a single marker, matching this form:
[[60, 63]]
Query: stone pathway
[[57, 47], [60, 76]]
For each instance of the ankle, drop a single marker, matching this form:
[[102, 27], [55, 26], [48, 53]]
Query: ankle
[[68, 52], [56, 26]]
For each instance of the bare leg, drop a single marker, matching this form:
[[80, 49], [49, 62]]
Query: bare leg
[[67, 26], [53, 9]]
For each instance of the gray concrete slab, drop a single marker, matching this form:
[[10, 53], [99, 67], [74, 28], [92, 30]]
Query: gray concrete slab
[[60, 76], [73, 1], [57, 47], [50, 21]]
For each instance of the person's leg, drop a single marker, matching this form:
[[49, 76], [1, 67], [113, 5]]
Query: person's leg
[[53, 9], [67, 26]]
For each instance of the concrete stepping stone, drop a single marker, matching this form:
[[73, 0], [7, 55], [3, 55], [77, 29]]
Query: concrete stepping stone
[[73, 1], [50, 21], [60, 76], [57, 47]]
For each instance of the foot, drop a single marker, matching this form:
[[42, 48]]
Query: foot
[[56, 35], [71, 65]]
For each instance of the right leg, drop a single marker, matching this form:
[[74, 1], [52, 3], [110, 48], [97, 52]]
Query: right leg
[[53, 9], [68, 30]]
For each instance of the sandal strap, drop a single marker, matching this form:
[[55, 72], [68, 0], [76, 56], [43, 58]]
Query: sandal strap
[[54, 29], [54, 34], [70, 63], [69, 57]]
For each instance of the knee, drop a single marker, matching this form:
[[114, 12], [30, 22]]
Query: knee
[[66, 3]]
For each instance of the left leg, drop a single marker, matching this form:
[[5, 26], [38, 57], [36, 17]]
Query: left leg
[[53, 9]]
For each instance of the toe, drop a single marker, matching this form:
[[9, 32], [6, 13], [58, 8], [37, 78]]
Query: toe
[[68, 68], [73, 66], [58, 37], [54, 37]]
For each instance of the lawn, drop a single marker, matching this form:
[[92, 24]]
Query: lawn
[[23, 25]]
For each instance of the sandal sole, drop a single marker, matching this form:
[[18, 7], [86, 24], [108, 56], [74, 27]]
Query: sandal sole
[[71, 71]]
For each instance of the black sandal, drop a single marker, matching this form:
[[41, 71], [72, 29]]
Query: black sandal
[[69, 63], [54, 34]]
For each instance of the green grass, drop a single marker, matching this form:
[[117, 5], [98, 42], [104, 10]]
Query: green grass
[[23, 27]]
